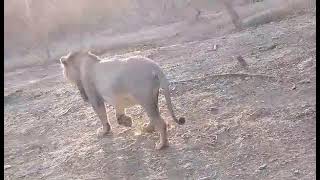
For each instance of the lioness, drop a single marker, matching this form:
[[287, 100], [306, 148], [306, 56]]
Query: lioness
[[122, 84]]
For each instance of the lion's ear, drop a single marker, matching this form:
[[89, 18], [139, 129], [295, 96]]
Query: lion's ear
[[64, 59], [93, 55], [69, 55]]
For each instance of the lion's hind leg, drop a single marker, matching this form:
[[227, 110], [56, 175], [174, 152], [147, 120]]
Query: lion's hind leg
[[158, 123]]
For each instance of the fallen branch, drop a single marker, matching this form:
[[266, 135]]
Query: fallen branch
[[225, 75]]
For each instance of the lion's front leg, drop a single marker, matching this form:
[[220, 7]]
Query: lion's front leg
[[82, 91], [100, 109]]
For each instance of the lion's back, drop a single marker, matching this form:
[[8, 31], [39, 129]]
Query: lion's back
[[130, 75]]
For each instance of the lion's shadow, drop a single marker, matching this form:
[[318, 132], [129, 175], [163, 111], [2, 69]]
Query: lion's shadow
[[135, 157]]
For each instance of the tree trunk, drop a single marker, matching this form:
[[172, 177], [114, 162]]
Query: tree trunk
[[233, 14]]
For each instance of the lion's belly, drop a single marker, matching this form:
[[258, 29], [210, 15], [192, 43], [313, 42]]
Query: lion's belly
[[123, 100], [126, 101]]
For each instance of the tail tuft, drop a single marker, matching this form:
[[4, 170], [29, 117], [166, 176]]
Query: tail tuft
[[181, 120]]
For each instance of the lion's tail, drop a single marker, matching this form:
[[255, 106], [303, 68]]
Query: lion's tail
[[164, 84]]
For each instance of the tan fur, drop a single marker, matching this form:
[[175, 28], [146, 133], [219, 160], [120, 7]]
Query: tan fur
[[122, 84]]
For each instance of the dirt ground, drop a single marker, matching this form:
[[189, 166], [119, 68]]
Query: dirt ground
[[253, 122]]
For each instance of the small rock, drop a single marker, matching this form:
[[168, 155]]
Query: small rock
[[185, 136], [284, 163], [215, 47], [238, 140], [120, 157], [19, 91], [241, 61], [273, 160], [271, 47], [305, 64], [213, 109], [187, 165], [7, 167], [296, 172], [205, 178], [207, 128], [37, 95], [54, 143], [263, 167]]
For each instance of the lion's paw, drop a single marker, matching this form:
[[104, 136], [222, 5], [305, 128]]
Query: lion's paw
[[162, 145], [148, 128], [102, 132]]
